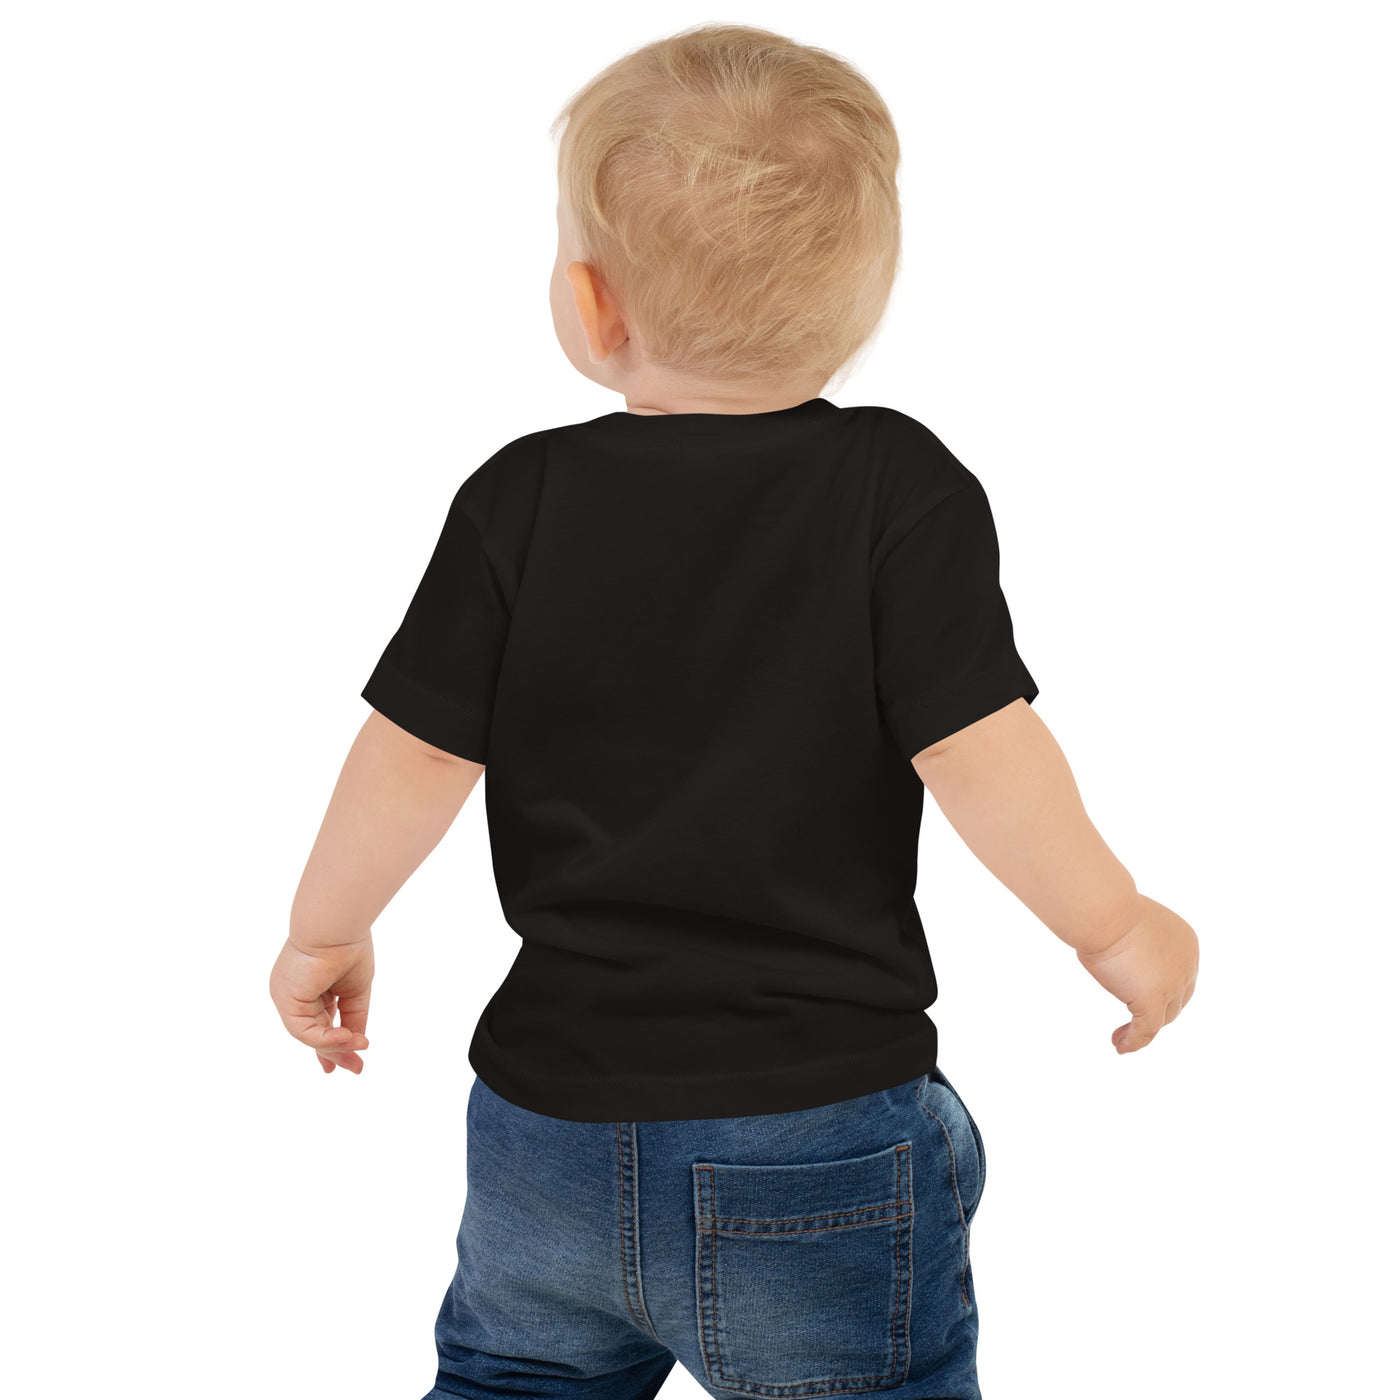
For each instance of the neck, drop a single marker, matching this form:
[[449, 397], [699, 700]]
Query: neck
[[742, 397]]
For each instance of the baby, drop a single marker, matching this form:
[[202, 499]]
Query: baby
[[713, 648]]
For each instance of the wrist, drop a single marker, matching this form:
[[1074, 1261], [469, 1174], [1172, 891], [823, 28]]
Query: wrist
[[314, 941], [1111, 929]]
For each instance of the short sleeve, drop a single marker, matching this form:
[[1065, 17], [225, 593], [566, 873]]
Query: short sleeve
[[437, 676], [945, 655]]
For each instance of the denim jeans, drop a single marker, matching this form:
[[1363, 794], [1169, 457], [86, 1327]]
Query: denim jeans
[[818, 1252]]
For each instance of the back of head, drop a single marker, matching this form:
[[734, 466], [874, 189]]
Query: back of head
[[736, 192]]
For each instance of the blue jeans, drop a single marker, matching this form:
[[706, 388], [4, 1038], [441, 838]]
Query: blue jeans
[[820, 1252]]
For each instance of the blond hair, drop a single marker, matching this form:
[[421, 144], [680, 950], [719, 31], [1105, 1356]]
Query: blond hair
[[736, 192]]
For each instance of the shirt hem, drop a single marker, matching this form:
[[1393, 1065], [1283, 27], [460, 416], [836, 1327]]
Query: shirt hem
[[436, 721], [919, 723], [739, 1094]]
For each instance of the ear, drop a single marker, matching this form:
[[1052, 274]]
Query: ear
[[598, 312]]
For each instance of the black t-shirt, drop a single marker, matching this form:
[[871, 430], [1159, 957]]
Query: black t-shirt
[[696, 652]]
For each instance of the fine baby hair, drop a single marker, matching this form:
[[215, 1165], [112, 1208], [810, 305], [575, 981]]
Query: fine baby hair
[[737, 192]]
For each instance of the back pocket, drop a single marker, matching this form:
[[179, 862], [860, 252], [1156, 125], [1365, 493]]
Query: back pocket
[[803, 1274]]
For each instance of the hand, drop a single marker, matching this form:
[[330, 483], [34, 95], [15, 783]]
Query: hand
[[309, 985], [1152, 968]]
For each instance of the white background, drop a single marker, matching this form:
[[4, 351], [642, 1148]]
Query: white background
[[275, 280]]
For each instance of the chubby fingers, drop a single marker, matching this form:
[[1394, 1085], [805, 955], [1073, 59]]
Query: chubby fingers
[[1139, 1033], [329, 1060], [334, 1045], [311, 1023], [1142, 1029]]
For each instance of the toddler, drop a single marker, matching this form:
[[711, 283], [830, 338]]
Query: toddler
[[713, 648]]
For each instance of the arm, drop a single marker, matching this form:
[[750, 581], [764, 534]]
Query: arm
[[1007, 790], [393, 802]]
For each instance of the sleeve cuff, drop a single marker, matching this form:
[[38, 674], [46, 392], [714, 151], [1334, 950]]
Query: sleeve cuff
[[915, 724], [427, 716]]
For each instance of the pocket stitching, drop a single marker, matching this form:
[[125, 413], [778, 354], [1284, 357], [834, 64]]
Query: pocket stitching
[[957, 1195], [874, 1219], [802, 1219], [836, 1385]]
